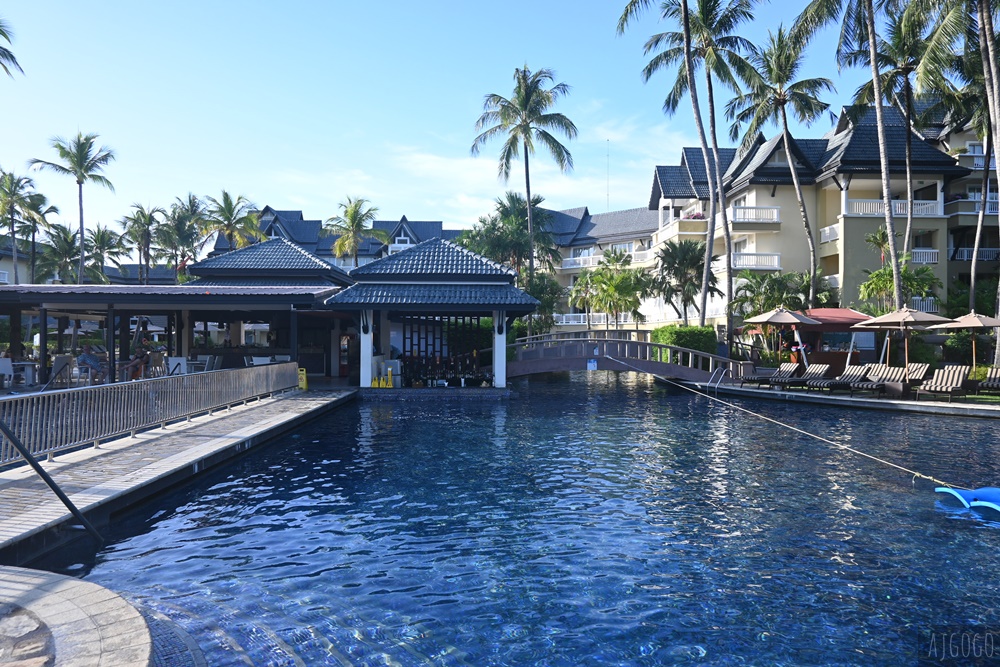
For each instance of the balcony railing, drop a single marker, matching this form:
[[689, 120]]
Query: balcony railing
[[833, 281], [596, 319], [830, 233], [984, 255], [769, 214], [979, 162], [643, 256], [926, 304], [899, 207], [992, 206], [924, 255], [760, 261], [580, 262]]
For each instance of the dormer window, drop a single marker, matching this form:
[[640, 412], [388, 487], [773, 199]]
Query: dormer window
[[402, 240]]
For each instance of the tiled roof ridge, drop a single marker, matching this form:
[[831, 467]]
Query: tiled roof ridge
[[475, 255]]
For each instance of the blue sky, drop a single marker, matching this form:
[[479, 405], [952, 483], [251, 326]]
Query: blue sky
[[297, 105]]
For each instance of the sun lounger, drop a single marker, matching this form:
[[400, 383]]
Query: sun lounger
[[916, 372], [843, 381], [949, 380], [814, 372], [878, 377], [785, 370], [992, 381]]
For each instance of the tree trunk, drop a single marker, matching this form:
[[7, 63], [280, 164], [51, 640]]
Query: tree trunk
[[786, 138], [726, 231], [988, 54], [908, 95], [531, 232], [980, 219], [890, 225], [83, 254]]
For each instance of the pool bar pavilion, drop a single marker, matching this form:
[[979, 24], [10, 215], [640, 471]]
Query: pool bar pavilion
[[433, 313]]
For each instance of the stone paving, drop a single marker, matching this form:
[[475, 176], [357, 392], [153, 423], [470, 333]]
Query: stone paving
[[48, 619]]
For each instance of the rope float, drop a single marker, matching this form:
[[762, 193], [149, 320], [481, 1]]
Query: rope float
[[984, 497]]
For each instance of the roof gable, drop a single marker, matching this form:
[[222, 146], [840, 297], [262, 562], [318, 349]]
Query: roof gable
[[435, 260], [277, 257]]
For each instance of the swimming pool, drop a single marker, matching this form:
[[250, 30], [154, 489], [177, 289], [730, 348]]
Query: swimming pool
[[595, 520]]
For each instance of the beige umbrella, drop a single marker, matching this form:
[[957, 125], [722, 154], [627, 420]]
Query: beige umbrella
[[781, 315], [971, 321], [903, 320]]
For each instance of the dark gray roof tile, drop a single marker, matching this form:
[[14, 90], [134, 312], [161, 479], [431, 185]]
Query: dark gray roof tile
[[454, 297], [438, 259]]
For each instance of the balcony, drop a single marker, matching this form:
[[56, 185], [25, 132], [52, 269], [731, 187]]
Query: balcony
[[833, 281], [757, 261], [587, 262], [596, 319], [924, 256], [765, 214], [643, 256], [926, 304], [828, 234], [899, 207], [984, 255], [979, 162]]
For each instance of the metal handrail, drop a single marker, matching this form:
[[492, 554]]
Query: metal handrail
[[55, 421]]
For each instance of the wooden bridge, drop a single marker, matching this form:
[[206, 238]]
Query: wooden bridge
[[600, 350]]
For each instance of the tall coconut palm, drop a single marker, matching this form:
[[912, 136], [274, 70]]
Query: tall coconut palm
[[618, 286], [235, 219], [908, 44], [631, 11], [503, 235], [721, 53], [773, 89], [139, 227], [104, 246], [82, 159], [353, 227], [35, 221], [858, 27], [7, 59], [524, 119], [15, 193]]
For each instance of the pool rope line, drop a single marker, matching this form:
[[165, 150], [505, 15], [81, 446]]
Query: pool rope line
[[796, 429]]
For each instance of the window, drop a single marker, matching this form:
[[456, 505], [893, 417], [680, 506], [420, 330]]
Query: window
[[976, 192], [741, 245], [622, 247], [583, 252], [974, 148], [402, 240], [740, 201]]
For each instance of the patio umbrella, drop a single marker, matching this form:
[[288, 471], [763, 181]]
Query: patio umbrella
[[971, 321], [903, 320], [781, 315]]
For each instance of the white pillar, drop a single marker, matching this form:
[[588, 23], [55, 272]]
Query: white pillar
[[940, 197], [499, 348], [366, 348]]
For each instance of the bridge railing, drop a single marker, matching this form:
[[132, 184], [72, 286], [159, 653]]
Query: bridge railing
[[561, 345], [53, 421]]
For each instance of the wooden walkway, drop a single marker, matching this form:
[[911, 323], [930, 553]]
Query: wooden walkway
[[126, 471]]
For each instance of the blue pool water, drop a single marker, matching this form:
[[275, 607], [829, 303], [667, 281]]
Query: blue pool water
[[597, 519]]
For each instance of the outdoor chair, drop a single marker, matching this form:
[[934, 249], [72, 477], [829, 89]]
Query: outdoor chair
[[814, 372], [7, 371], [177, 366], [785, 370], [260, 361], [279, 358], [878, 378], [248, 361], [948, 380], [63, 366], [213, 362], [917, 372], [842, 381], [992, 381], [157, 367]]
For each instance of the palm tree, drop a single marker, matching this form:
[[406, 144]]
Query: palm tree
[[524, 119], [139, 228], [619, 287], [352, 227], [858, 26], [720, 52], [581, 294], [7, 59], [879, 241], [84, 161], [774, 88], [680, 272], [632, 9], [15, 193], [35, 220], [104, 246], [234, 219], [503, 235], [59, 256], [179, 236], [906, 47]]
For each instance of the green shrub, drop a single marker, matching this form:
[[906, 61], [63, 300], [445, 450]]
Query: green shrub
[[702, 339]]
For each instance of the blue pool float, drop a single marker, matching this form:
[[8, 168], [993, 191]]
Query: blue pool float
[[988, 496]]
